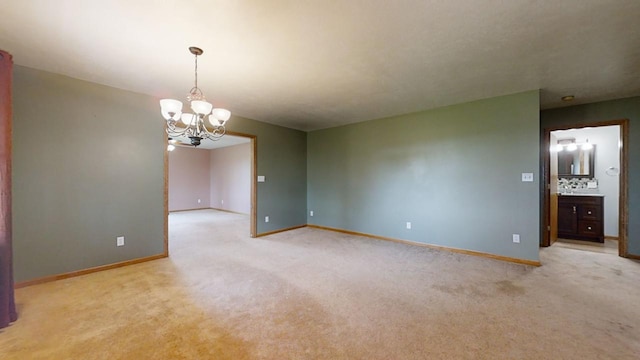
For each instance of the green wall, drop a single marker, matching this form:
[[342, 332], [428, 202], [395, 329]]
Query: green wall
[[453, 172], [82, 175], [282, 159], [88, 166], [628, 108]]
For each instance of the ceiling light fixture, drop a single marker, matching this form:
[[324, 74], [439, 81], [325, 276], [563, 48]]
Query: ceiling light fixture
[[193, 125], [171, 146], [567, 98]]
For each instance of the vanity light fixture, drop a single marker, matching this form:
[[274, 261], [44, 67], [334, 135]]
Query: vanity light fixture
[[570, 144]]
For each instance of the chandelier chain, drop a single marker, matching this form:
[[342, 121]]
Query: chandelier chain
[[196, 67]]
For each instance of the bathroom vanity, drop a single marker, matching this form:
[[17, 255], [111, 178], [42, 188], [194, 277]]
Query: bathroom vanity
[[580, 216]]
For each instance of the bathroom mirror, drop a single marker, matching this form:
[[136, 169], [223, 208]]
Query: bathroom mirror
[[576, 164]]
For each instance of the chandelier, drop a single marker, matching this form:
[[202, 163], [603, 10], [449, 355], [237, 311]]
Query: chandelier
[[189, 125]]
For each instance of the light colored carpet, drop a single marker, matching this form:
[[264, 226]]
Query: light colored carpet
[[314, 294], [608, 247]]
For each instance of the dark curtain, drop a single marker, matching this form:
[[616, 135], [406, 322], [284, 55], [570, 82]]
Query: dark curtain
[[8, 312]]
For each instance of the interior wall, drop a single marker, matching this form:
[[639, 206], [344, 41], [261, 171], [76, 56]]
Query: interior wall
[[607, 154], [453, 172], [83, 175], [628, 108], [189, 179], [230, 176], [282, 160]]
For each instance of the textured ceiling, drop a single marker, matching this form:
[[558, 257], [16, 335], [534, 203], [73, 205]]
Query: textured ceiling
[[317, 64]]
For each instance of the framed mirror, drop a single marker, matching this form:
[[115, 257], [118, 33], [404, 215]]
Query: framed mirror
[[576, 164]]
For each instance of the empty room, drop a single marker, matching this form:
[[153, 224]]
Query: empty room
[[320, 179]]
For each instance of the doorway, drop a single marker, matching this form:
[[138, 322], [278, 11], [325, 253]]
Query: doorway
[[568, 134], [224, 144]]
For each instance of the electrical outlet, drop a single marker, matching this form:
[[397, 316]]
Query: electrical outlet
[[408, 225], [120, 241], [266, 219], [516, 238], [199, 201], [527, 177], [311, 213]]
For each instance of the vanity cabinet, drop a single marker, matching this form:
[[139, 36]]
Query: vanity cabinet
[[581, 217]]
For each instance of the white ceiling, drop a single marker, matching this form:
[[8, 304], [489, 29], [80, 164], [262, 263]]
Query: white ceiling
[[317, 64], [227, 140]]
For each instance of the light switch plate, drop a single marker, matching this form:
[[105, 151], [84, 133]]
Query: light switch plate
[[120, 241], [527, 177], [260, 178], [516, 238]]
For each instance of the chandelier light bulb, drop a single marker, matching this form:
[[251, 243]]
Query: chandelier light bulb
[[201, 107], [221, 114], [187, 119]]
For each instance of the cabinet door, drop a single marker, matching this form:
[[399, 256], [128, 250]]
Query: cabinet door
[[567, 218]]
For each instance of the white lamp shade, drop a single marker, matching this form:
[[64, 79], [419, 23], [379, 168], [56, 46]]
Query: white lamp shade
[[201, 107], [214, 121], [171, 109], [221, 114], [187, 118]]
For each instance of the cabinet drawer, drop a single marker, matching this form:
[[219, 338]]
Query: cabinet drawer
[[589, 212], [589, 228]]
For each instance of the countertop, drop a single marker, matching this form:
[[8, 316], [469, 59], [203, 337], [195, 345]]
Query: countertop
[[580, 194]]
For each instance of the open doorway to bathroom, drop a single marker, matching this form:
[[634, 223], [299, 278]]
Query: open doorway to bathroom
[[585, 195]]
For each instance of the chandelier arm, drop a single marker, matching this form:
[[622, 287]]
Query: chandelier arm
[[172, 130], [217, 132]]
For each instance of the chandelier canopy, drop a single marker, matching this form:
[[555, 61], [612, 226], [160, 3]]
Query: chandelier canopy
[[193, 125]]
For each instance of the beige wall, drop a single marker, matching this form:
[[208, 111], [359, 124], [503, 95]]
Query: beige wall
[[230, 174], [219, 178], [188, 179]]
